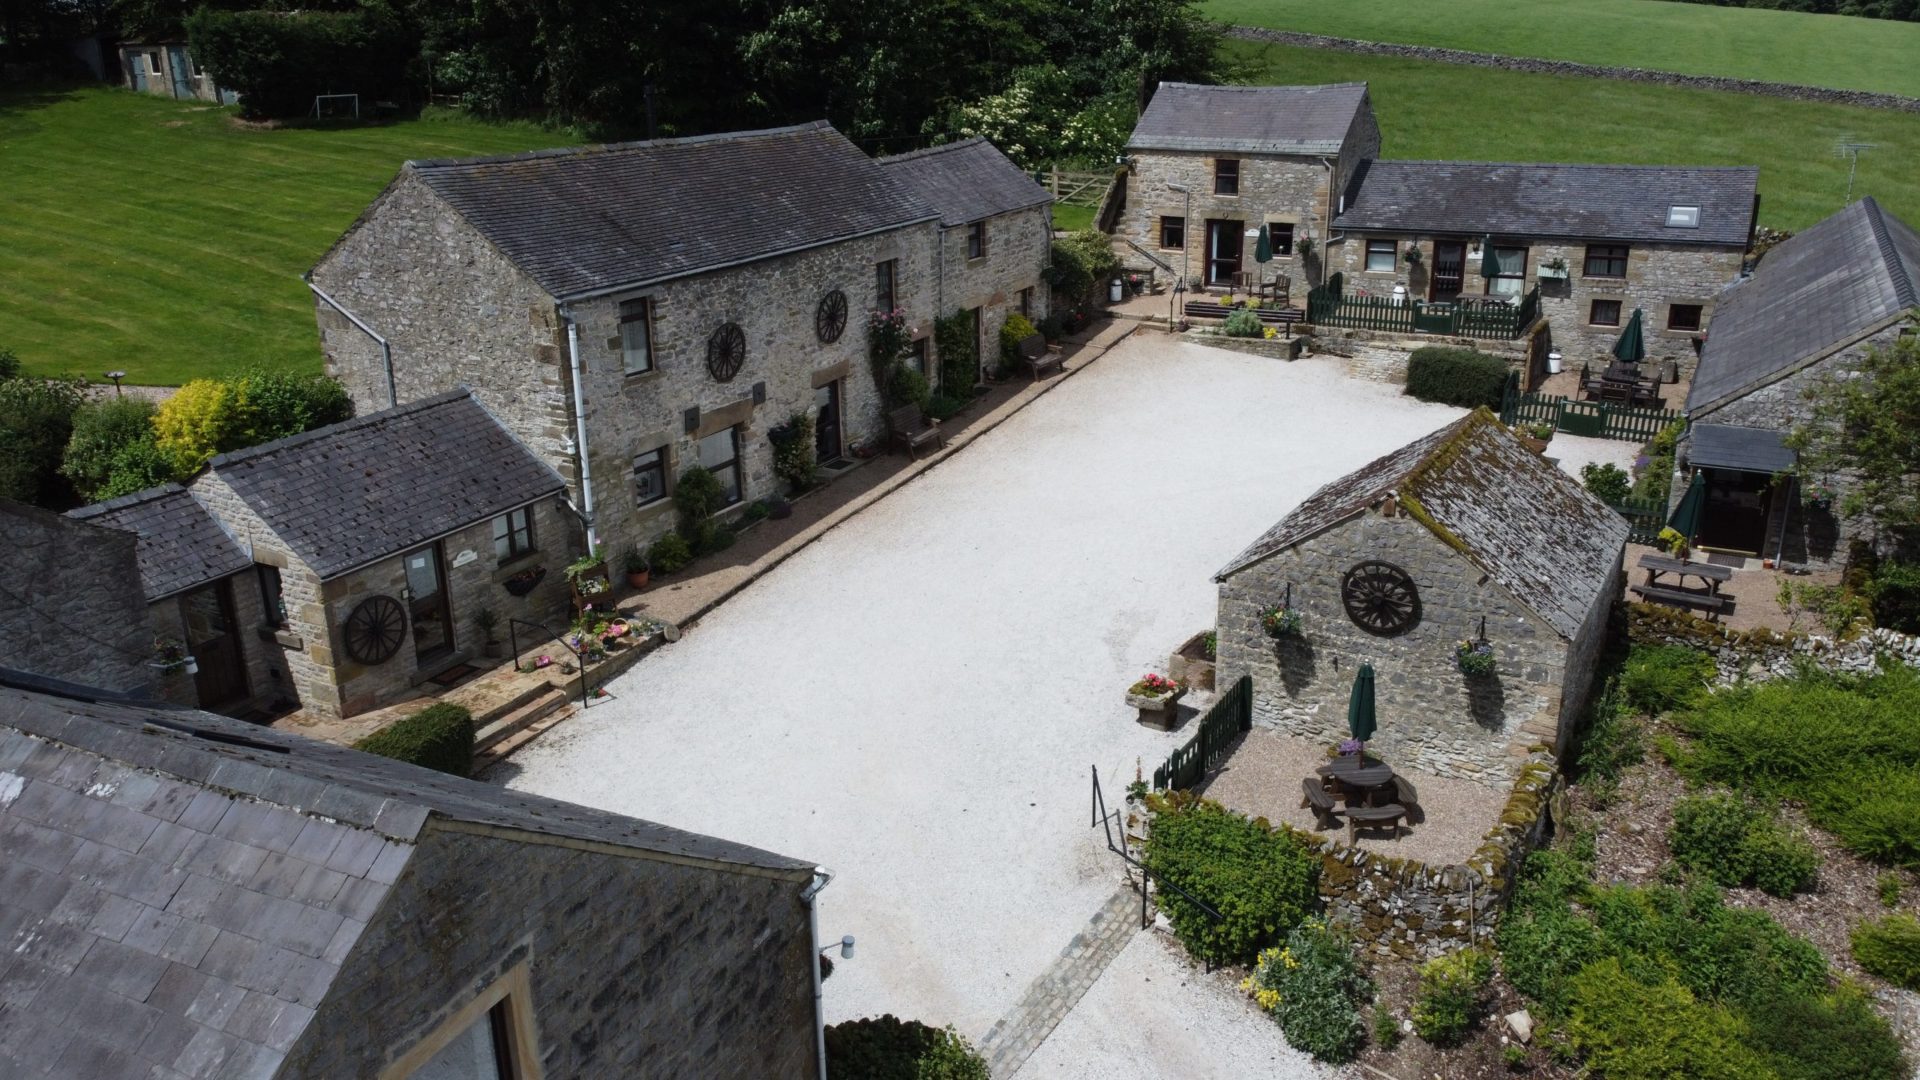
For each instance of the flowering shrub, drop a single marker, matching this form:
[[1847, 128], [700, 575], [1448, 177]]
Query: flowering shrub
[[1154, 685], [1452, 993], [1474, 658], [1675, 542], [1312, 987], [1280, 621]]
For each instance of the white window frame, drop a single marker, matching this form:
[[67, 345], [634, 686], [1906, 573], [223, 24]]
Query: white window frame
[[659, 456], [638, 312], [1392, 255], [1683, 216]]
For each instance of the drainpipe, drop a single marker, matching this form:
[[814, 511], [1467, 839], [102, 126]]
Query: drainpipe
[[386, 350], [580, 428], [1333, 175], [821, 876]]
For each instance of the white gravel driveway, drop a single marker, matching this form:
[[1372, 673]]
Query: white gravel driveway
[[914, 700]]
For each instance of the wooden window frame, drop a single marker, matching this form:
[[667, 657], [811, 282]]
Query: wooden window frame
[[1392, 253], [1026, 302], [507, 1006], [1593, 311], [1520, 276], [658, 466], [1273, 237], [636, 312], [733, 464], [976, 240], [886, 284], [518, 537], [1699, 318], [1606, 255], [1178, 225], [1226, 176]]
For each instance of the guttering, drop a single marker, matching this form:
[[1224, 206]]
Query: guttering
[[580, 427], [386, 350], [821, 877]]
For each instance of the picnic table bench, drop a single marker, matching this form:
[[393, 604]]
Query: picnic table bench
[[1711, 574], [1373, 817], [912, 429], [1040, 356], [1711, 603], [1320, 800]]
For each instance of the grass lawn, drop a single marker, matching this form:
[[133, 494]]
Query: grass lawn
[[157, 237], [1072, 218], [1747, 43], [1434, 110]]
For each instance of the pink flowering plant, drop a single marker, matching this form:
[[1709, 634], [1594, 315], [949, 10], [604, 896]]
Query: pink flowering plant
[[1152, 685]]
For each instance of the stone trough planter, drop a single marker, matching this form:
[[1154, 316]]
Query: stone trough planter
[[1189, 663], [1159, 711]]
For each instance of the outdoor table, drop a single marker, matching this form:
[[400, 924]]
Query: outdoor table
[[1711, 574], [1352, 774]]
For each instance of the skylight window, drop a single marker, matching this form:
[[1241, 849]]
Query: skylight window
[[1683, 217]]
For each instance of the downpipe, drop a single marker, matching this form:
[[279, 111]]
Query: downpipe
[[386, 350], [821, 878], [580, 428]]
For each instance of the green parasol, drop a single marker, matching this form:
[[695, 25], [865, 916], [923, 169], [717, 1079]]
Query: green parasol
[[1263, 247], [1360, 720], [1632, 346], [1489, 262], [1686, 516]]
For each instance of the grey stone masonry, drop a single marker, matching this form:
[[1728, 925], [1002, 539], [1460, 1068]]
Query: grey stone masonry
[[70, 604], [1008, 275]]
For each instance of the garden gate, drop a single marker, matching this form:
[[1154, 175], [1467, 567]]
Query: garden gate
[[1231, 715], [1590, 418]]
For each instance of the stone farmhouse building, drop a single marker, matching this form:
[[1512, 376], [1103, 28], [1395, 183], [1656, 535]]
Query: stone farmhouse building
[[1246, 156], [65, 609], [1395, 565], [1812, 309], [192, 896], [339, 568], [166, 68], [631, 311], [995, 234]]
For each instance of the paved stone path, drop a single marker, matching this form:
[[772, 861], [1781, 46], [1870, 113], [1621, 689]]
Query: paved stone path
[[1018, 1034]]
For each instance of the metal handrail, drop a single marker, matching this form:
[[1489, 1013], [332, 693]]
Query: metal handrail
[[1151, 256], [1103, 817], [513, 642]]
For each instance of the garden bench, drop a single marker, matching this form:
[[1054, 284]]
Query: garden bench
[[1373, 817], [1404, 791], [1320, 800], [912, 429], [1712, 604], [1040, 356]]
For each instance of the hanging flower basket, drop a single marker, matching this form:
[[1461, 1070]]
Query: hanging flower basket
[[1820, 497], [1474, 658], [1281, 622], [523, 582]]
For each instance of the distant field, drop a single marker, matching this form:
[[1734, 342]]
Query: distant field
[[1434, 110], [156, 237], [1747, 43]]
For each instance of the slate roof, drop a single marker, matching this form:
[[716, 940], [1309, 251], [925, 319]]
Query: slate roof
[[1748, 449], [1249, 119], [1810, 294], [598, 218], [178, 906], [967, 180], [1596, 202], [181, 546], [1528, 525], [346, 494]]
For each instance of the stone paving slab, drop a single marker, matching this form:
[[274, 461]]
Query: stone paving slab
[[1050, 997]]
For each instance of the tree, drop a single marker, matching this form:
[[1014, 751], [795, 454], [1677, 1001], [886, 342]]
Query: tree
[[36, 420], [102, 431], [1864, 431]]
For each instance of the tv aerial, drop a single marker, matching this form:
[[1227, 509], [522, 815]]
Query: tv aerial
[[1848, 147]]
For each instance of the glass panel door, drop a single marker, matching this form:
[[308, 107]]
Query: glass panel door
[[1223, 251], [826, 422], [431, 617]]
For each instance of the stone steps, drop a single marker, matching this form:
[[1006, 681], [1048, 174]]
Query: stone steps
[[510, 726]]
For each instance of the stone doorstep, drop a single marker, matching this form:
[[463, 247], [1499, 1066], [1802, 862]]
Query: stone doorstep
[[530, 708]]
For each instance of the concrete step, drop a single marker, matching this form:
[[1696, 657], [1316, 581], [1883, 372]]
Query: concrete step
[[526, 709], [501, 750]]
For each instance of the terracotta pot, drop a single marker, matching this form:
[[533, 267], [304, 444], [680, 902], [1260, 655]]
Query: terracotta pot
[[638, 578]]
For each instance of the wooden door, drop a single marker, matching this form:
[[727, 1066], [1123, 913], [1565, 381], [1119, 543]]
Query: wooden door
[[213, 640], [177, 63], [826, 422], [1449, 270], [1224, 245]]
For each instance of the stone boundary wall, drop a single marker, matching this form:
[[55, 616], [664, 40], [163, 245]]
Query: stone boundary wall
[[1413, 910], [1762, 654], [1533, 65]]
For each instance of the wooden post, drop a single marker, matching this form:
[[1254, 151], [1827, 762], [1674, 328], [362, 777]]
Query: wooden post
[[1056, 181]]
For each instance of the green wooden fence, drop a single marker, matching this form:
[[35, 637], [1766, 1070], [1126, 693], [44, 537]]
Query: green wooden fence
[[1329, 304], [1231, 715], [1591, 418], [1645, 519]]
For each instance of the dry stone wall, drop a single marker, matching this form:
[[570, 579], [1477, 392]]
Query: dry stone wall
[[1763, 654]]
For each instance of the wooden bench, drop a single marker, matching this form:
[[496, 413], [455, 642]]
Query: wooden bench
[[1320, 800], [1710, 603], [1040, 356], [1409, 797], [1373, 817], [912, 429]]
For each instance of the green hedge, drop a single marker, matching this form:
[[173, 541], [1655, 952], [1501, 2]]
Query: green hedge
[[1468, 378], [1261, 881], [278, 61], [889, 1048], [437, 737], [1890, 948]]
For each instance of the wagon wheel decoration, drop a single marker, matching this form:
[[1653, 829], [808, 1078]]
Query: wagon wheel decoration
[[726, 351], [830, 319], [1380, 598], [375, 629]]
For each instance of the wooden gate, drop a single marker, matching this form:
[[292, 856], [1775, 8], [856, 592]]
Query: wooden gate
[[1232, 714]]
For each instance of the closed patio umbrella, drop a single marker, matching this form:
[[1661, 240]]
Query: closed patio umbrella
[[1686, 516], [1632, 346], [1489, 262], [1360, 718], [1263, 247]]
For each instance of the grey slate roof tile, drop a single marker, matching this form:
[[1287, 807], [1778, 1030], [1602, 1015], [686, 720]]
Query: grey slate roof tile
[[181, 546], [36, 845], [601, 217], [1249, 119], [967, 180], [116, 916], [347, 494], [1811, 293], [121, 969], [1627, 203]]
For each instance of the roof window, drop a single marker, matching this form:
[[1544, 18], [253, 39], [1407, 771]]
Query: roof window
[[1683, 217]]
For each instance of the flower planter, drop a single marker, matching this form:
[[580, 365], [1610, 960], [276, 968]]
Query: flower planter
[[638, 578], [1189, 663], [523, 582], [1157, 710]]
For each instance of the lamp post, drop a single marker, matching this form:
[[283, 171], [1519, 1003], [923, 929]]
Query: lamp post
[[1186, 249]]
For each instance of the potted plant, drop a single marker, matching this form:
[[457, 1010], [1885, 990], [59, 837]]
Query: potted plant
[[1157, 697], [522, 583], [1280, 621], [171, 657], [637, 567], [1675, 542], [588, 576], [1555, 268], [1820, 497], [486, 620], [1414, 257], [1474, 658]]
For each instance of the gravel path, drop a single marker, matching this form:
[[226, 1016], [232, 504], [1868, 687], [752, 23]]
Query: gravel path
[[915, 699]]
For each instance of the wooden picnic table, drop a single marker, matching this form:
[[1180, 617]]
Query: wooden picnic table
[[1368, 777], [1710, 574]]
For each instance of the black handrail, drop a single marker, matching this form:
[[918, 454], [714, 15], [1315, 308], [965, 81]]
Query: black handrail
[[513, 642], [1104, 818]]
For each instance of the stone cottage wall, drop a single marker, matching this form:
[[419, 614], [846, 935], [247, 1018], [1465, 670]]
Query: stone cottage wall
[[639, 967], [1019, 246], [1272, 188], [1431, 717], [262, 649], [1583, 660], [70, 605]]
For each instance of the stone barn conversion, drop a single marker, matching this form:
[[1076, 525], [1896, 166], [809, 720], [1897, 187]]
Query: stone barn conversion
[[1400, 562], [188, 895]]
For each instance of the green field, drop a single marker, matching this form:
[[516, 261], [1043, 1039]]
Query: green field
[[1434, 110], [1747, 43], [159, 238]]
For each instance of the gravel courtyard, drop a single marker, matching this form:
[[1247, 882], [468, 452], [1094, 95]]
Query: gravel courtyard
[[914, 700]]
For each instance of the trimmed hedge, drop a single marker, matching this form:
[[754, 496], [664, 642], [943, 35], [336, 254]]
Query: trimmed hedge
[[1468, 378], [437, 737], [278, 61], [1261, 880]]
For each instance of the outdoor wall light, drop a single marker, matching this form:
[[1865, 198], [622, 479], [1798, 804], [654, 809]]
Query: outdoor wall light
[[846, 948]]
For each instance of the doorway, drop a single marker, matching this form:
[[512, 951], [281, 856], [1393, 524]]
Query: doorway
[[213, 640], [182, 75], [826, 423], [1224, 243], [1734, 518], [1449, 270], [428, 607]]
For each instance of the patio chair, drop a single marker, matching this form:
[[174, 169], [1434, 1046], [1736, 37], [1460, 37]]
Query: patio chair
[[1404, 791], [912, 429], [1320, 800]]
